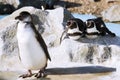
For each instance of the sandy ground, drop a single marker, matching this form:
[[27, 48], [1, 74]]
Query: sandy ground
[[76, 73], [90, 6], [14, 76]]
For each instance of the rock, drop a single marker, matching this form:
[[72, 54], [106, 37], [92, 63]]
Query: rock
[[112, 13], [50, 3], [49, 23], [34, 3], [95, 0], [8, 6], [93, 51], [60, 3], [86, 73], [14, 3], [111, 1], [6, 9], [69, 54]]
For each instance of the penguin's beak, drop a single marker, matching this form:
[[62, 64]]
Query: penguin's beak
[[83, 35], [17, 17]]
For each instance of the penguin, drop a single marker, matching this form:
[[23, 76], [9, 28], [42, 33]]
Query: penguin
[[96, 27], [33, 51], [75, 28], [91, 30]]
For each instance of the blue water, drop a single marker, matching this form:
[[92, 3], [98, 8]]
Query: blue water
[[83, 17], [2, 16], [114, 28]]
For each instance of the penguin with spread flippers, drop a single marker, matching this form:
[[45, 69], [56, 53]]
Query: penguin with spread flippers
[[33, 51]]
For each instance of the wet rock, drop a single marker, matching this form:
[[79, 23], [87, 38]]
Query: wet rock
[[112, 13]]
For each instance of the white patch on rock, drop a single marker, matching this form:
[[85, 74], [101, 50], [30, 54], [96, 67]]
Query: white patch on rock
[[112, 14]]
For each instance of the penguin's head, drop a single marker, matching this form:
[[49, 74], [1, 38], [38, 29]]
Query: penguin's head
[[90, 23], [24, 16], [71, 24]]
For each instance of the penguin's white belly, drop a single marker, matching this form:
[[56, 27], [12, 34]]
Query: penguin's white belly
[[91, 30], [72, 31], [74, 37], [31, 53]]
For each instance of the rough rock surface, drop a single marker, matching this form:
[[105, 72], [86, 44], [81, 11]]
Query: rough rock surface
[[93, 51], [68, 54], [112, 14], [49, 23]]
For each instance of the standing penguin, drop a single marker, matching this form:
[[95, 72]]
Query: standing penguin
[[32, 48]]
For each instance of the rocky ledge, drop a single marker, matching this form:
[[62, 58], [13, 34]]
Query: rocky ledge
[[50, 23]]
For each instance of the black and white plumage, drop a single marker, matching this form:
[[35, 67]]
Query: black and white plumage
[[76, 28], [96, 27], [32, 48]]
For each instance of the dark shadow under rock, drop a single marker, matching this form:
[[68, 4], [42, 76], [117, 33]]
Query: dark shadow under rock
[[66, 4], [103, 40], [79, 70]]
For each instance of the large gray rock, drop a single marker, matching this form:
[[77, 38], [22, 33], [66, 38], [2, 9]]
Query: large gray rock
[[49, 23], [104, 51], [95, 51], [112, 14], [69, 53]]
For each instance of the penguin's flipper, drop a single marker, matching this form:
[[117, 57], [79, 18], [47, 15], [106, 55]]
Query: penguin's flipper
[[41, 42]]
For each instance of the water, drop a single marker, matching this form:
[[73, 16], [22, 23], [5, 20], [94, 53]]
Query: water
[[114, 27], [83, 17], [2, 16]]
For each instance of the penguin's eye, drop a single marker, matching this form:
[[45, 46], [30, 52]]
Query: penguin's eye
[[90, 24], [68, 23], [73, 25]]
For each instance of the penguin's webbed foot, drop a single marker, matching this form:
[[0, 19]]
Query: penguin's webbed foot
[[40, 74], [29, 74], [25, 75]]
